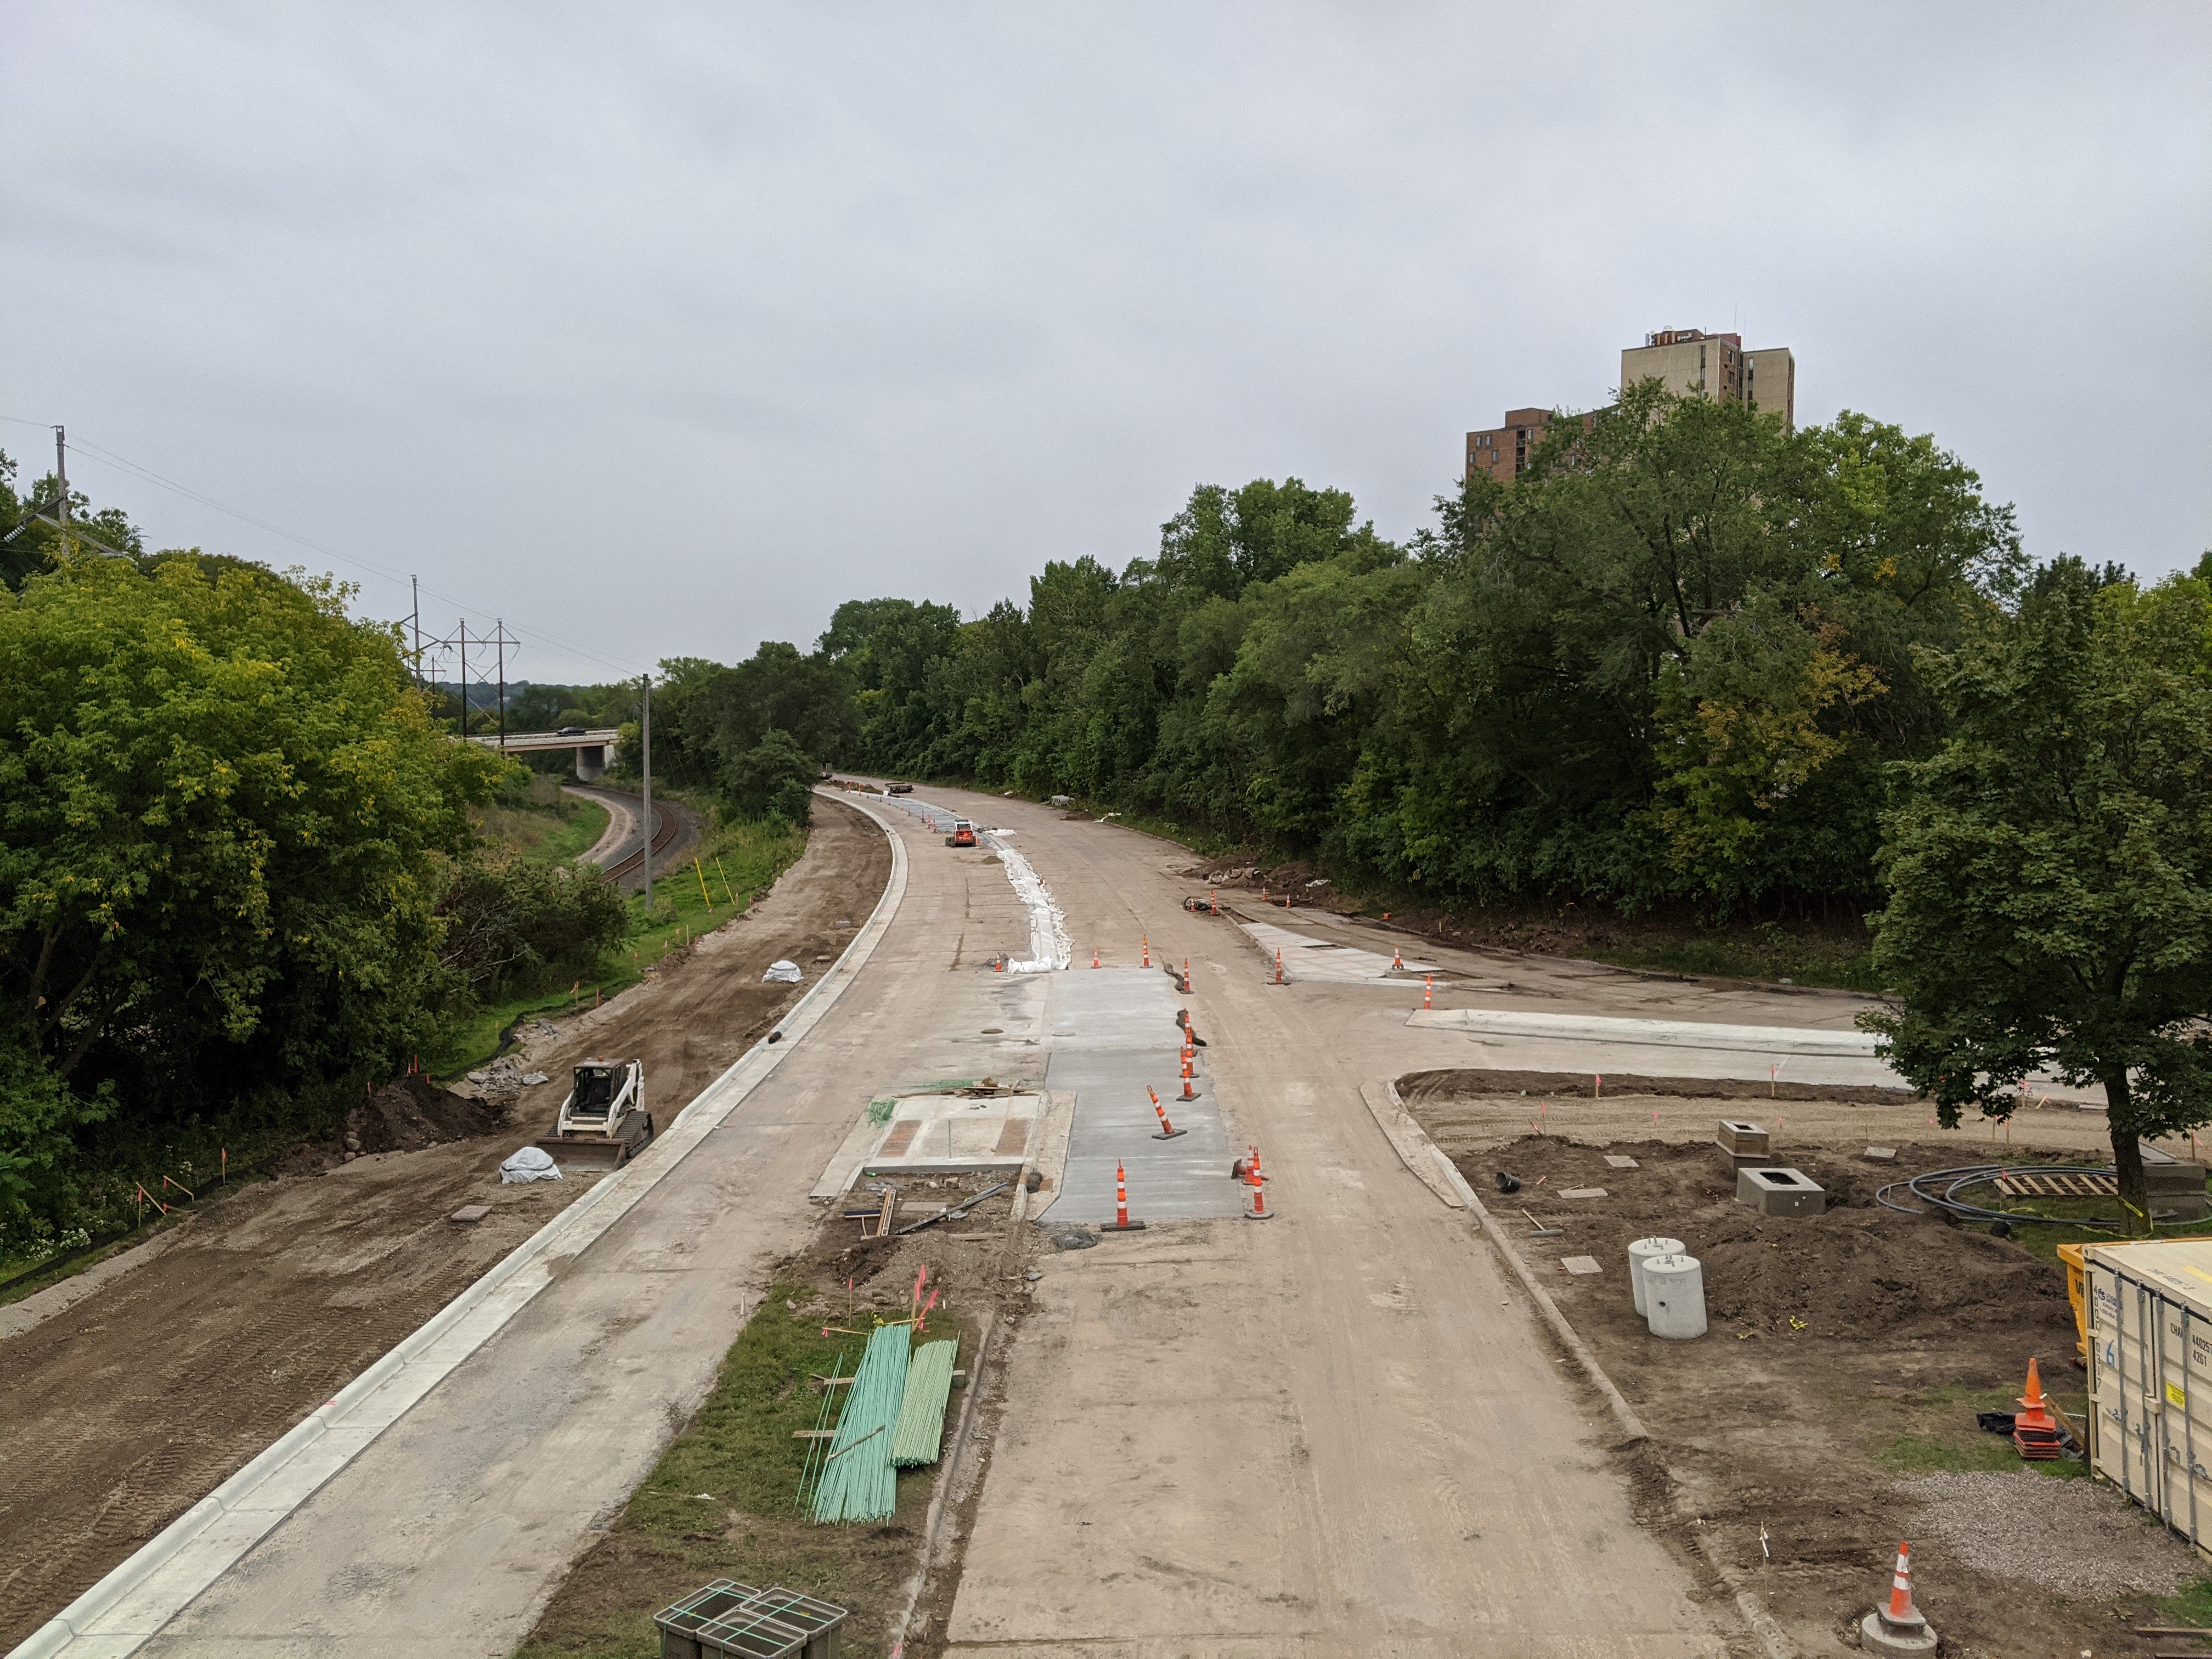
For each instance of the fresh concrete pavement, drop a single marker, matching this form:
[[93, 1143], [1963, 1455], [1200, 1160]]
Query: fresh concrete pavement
[[1337, 1432]]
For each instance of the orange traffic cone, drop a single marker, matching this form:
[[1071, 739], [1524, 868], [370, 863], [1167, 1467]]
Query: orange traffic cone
[[1213, 899], [2034, 1430], [1278, 964], [1168, 1131], [1094, 956], [1898, 1628], [1186, 976], [1397, 958], [1259, 1212], [1121, 1224], [1148, 950], [1428, 991]]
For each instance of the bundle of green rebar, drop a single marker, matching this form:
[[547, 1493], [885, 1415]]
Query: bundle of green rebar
[[921, 1428], [856, 1481]]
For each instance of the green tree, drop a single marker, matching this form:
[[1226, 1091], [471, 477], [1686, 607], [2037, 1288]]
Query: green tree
[[225, 819], [778, 689], [774, 779], [2050, 868]]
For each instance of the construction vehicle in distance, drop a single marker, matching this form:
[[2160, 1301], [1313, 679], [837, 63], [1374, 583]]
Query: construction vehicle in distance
[[603, 1123], [963, 833]]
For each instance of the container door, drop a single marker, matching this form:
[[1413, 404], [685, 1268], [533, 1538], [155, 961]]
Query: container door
[[2185, 1424], [2132, 1399]]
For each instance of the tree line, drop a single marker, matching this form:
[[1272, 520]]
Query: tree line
[[1686, 659]]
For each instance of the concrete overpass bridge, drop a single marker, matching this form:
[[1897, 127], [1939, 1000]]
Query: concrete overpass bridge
[[593, 746]]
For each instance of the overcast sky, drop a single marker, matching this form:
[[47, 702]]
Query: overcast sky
[[659, 329]]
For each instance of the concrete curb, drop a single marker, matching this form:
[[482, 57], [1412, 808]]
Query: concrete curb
[[1785, 1040], [229, 1522], [1624, 1414], [1415, 1150]]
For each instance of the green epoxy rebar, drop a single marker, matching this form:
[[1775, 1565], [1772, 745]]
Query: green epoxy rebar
[[919, 1433]]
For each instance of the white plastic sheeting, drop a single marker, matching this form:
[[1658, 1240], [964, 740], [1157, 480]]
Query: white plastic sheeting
[[1050, 948], [781, 973], [531, 1163]]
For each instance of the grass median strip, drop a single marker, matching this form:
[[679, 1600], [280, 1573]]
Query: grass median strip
[[721, 1503]]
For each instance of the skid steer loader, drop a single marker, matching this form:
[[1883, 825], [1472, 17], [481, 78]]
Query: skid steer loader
[[603, 1123]]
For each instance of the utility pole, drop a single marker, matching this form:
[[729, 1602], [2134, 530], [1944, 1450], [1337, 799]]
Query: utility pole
[[415, 619], [465, 676], [645, 767], [61, 472], [499, 634]]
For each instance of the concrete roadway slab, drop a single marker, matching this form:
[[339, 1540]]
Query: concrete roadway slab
[[1112, 1035], [1336, 1432], [450, 1530], [1306, 956]]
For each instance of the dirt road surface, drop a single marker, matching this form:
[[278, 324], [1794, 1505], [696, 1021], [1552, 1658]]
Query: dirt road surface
[[126, 1408]]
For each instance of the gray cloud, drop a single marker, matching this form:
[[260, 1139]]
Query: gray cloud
[[663, 328]]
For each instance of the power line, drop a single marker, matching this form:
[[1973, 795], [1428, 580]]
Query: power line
[[147, 475]]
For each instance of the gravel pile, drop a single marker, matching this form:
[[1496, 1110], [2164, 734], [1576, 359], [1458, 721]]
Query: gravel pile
[[2075, 1537]]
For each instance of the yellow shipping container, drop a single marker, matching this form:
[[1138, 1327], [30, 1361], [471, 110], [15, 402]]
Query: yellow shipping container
[[2150, 1376]]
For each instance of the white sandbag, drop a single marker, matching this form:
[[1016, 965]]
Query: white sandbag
[[531, 1163], [781, 973]]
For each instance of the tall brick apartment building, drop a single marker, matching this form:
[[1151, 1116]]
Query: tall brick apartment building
[[1689, 362]]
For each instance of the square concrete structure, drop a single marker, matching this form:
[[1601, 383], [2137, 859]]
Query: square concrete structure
[[1742, 1144], [2174, 1185], [1773, 1191]]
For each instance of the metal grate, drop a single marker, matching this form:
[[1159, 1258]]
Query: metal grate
[[2019, 1185], [730, 1618]]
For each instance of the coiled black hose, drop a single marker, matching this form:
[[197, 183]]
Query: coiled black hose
[[1970, 1175]]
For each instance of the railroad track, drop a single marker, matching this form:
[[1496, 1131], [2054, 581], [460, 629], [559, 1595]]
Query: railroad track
[[665, 828]]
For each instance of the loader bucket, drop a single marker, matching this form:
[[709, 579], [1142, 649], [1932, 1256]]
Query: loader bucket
[[593, 1155]]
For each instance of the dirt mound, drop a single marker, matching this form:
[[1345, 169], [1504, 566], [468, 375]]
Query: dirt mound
[[413, 1113], [1465, 1084], [1857, 1272], [405, 1115]]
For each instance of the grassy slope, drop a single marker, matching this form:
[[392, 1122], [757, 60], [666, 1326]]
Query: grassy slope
[[738, 861]]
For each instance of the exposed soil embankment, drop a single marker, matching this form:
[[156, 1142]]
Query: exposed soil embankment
[[1458, 1083]]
